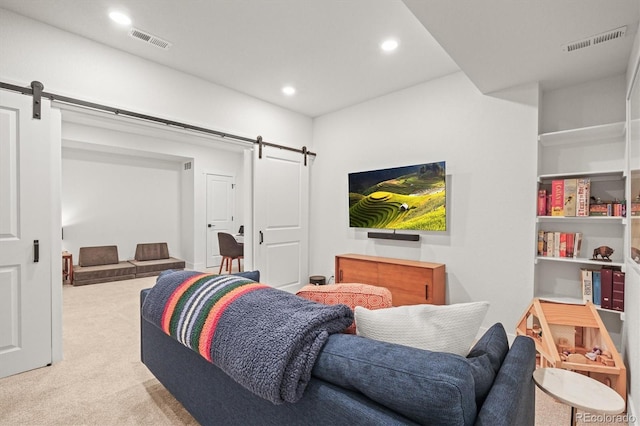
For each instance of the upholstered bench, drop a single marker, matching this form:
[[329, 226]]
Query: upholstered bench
[[153, 258], [101, 264], [350, 294]]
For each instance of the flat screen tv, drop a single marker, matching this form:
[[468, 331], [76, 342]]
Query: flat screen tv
[[410, 197]]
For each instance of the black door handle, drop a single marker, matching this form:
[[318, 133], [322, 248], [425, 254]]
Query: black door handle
[[261, 237], [36, 251]]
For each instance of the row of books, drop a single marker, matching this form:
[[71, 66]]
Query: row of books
[[559, 244], [603, 287], [572, 198]]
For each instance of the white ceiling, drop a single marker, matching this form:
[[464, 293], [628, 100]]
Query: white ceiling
[[329, 49]]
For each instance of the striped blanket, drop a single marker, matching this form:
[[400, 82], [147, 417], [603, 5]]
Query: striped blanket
[[264, 338]]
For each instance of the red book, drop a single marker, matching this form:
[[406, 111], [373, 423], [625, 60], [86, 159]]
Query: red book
[[617, 295], [570, 242], [557, 197], [563, 245], [542, 202], [606, 287]]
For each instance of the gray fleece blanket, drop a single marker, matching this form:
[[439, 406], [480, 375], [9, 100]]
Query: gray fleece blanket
[[266, 339]]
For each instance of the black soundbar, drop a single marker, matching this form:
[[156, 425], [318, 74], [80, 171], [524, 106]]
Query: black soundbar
[[394, 236]]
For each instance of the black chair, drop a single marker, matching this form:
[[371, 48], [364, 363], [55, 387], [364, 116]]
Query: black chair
[[230, 250]]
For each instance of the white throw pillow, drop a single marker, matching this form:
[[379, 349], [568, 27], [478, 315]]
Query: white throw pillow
[[438, 328]]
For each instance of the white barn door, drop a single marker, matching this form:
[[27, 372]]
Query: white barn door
[[281, 234], [26, 235]]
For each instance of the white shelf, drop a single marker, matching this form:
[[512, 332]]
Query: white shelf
[[585, 134], [600, 154], [578, 260], [594, 219], [594, 175]]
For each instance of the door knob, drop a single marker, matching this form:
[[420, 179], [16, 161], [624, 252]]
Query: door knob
[[210, 225]]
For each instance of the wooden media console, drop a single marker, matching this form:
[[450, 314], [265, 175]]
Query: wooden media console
[[410, 282]]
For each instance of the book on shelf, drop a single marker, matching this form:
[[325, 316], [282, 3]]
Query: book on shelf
[[587, 284], [635, 208], [597, 294], [562, 248], [608, 208], [570, 194], [617, 291], [601, 209], [557, 197], [542, 247], [559, 244], [577, 244], [570, 247], [583, 190], [542, 202], [606, 287]]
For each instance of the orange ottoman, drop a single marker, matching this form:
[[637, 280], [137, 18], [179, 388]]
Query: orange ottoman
[[350, 294]]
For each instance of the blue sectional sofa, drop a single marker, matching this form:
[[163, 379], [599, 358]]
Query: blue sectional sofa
[[359, 381]]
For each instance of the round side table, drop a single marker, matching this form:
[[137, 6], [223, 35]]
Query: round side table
[[578, 391]]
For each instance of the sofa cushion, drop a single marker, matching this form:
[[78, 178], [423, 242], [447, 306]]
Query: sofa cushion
[[426, 387], [444, 328], [157, 265], [100, 255], [485, 359], [104, 271], [152, 251], [350, 294]]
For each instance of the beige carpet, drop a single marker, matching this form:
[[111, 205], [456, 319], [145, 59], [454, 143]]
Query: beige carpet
[[101, 380]]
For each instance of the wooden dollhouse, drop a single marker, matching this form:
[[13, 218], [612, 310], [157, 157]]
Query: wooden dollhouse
[[573, 337]]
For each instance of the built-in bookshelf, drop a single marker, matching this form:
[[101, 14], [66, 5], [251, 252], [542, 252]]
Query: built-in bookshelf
[[598, 155]]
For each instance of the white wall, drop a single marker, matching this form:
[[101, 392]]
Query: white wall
[[489, 145], [114, 199], [583, 105]]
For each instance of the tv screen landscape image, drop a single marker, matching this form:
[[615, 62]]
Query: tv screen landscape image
[[410, 197]]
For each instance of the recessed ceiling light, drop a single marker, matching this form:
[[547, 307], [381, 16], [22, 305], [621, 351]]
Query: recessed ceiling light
[[120, 18], [289, 90], [389, 45]]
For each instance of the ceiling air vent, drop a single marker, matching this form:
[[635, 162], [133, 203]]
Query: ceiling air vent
[[595, 39], [149, 38]]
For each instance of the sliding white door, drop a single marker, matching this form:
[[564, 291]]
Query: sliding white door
[[281, 232], [26, 235]]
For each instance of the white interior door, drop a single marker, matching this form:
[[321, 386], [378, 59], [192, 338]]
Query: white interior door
[[220, 207], [281, 194], [25, 217]]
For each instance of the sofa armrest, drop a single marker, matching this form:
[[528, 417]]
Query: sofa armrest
[[512, 397]]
